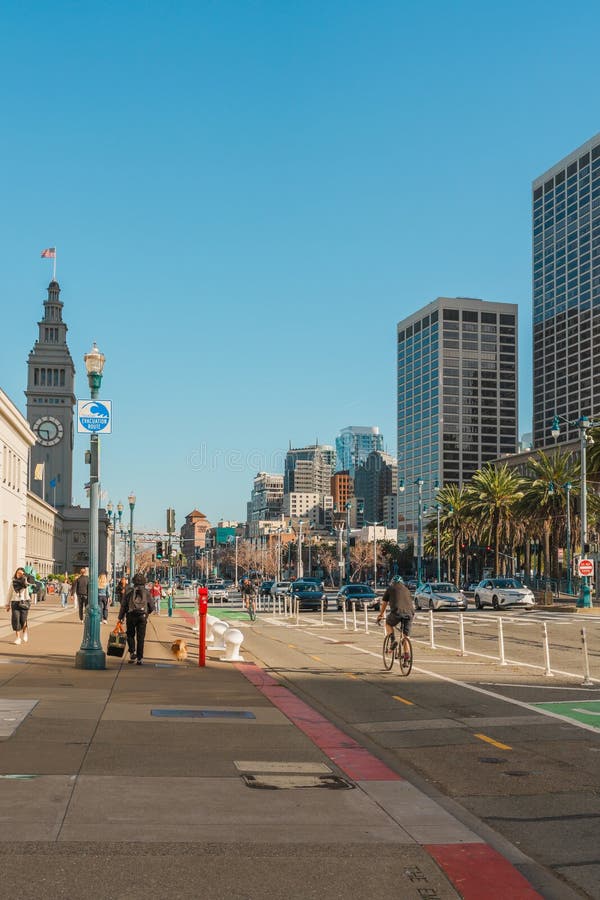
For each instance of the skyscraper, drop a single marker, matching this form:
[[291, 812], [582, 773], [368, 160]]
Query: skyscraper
[[376, 479], [566, 292], [353, 444], [457, 395], [309, 469]]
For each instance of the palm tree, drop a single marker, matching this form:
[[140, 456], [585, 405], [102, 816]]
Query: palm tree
[[544, 500], [456, 521], [493, 494]]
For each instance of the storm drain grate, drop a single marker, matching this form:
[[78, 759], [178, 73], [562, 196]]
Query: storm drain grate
[[517, 774], [294, 782], [493, 760], [203, 714]]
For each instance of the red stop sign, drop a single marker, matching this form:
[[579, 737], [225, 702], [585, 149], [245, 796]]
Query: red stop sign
[[586, 567]]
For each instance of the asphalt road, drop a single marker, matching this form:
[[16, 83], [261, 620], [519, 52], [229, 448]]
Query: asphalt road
[[510, 747]]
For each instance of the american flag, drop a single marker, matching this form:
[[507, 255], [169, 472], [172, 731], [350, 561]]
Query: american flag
[[49, 253]]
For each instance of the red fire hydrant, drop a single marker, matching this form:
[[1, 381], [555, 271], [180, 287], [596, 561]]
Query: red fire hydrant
[[202, 612]]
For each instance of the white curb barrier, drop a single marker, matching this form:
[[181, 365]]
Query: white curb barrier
[[233, 638], [211, 621], [219, 629]]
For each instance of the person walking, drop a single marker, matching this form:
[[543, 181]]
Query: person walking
[[136, 606], [65, 589], [156, 594], [80, 588], [103, 596], [18, 602], [120, 590]]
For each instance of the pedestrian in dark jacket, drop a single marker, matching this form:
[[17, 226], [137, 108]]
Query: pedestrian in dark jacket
[[18, 603], [80, 589], [136, 606]]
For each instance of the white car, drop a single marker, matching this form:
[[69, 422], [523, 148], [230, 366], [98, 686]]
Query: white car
[[501, 592], [281, 589], [218, 592], [440, 595]]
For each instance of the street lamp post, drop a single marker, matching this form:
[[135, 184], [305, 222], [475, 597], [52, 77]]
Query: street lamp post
[[115, 516], [438, 510], [237, 539], [583, 423], [131, 500], [568, 553], [91, 655], [420, 482], [347, 577], [299, 565]]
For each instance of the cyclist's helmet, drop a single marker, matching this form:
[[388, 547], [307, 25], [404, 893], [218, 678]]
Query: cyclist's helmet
[[397, 579]]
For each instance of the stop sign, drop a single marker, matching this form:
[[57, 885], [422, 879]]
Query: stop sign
[[586, 567]]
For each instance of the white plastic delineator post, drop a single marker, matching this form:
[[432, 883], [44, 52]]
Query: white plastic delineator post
[[233, 638], [219, 629], [587, 681], [354, 615], [501, 643], [211, 621], [431, 631], [547, 669], [461, 627]]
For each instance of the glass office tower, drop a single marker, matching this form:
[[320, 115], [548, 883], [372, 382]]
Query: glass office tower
[[457, 396], [566, 292]]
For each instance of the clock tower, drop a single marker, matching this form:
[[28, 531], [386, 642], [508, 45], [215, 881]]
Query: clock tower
[[50, 404]]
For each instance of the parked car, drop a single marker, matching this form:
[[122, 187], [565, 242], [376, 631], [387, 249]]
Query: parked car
[[281, 589], [361, 594], [265, 588], [501, 592], [218, 592], [308, 593], [310, 580], [440, 595], [412, 585]]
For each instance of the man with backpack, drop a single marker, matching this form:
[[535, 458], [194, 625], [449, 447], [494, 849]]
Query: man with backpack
[[136, 606]]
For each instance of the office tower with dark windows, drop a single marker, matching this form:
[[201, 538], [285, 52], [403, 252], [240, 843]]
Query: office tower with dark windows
[[457, 397], [566, 292]]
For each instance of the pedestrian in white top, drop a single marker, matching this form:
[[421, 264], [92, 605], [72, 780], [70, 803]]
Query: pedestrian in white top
[[18, 602]]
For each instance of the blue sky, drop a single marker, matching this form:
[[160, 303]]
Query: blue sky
[[247, 196]]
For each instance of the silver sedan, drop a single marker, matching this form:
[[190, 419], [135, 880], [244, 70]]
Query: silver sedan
[[440, 595]]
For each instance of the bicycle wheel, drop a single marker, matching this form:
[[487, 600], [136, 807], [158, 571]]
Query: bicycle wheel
[[405, 657], [388, 654], [252, 610]]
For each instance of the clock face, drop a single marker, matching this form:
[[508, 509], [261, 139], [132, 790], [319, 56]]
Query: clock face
[[49, 430]]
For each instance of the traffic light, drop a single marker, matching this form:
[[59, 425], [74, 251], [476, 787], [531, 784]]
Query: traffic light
[[159, 549]]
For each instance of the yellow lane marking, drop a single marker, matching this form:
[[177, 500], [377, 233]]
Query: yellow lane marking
[[350, 675], [317, 658], [489, 740], [402, 700], [292, 646]]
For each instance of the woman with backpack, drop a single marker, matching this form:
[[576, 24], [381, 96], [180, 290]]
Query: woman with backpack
[[18, 602], [136, 606]]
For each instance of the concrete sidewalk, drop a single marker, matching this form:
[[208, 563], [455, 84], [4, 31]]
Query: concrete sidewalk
[[247, 794]]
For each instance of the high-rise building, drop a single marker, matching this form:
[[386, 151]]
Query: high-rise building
[[309, 469], [376, 479], [566, 292], [342, 490], [353, 444], [50, 402], [266, 499], [457, 395]]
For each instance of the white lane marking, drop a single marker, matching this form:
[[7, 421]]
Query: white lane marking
[[587, 712], [537, 687]]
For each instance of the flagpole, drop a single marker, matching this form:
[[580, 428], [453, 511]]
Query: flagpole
[[54, 266]]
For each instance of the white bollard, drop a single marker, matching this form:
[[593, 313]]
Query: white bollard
[[279, 606], [345, 611], [431, 631], [366, 619], [354, 615], [297, 612], [323, 602], [211, 621], [501, 642], [196, 626], [233, 641], [547, 669], [587, 681], [219, 630], [461, 626]]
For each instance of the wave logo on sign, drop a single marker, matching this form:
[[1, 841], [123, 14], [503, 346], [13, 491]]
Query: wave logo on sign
[[94, 416]]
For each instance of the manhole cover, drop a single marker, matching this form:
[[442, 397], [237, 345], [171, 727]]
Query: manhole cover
[[493, 760], [292, 782], [203, 714]]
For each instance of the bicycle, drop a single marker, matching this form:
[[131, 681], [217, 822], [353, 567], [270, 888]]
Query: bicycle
[[251, 607], [402, 652]]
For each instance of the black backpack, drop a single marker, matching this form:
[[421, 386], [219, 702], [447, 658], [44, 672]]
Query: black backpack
[[137, 601]]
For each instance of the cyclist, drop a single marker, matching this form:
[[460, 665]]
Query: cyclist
[[248, 592], [401, 612]]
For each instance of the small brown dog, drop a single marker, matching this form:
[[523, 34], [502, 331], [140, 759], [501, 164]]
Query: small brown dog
[[179, 650]]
